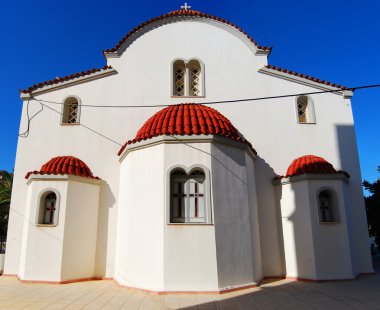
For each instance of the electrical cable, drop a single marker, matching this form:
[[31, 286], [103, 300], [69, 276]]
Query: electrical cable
[[88, 128], [222, 101], [25, 134]]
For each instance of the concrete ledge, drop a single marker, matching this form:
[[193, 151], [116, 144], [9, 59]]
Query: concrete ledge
[[221, 291], [329, 280]]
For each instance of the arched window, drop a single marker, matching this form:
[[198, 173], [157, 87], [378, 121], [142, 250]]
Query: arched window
[[47, 213], [195, 78], [327, 207], [188, 201], [179, 72], [71, 111], [187, 78], [305, 110]]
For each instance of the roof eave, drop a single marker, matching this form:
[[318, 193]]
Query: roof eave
[[27, 94], [322, 85]]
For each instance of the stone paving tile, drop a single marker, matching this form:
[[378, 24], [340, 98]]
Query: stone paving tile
[[363, 293]]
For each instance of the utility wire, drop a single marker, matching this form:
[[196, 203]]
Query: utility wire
[[25, 134], [88, 128], [223, 101], [213, 156]]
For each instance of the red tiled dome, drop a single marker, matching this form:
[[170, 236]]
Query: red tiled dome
[[310, 164], [64, 165], [187, 119]]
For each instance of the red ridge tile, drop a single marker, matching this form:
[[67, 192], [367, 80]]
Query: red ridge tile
[[179, 13], [306, 77], [63, 79]]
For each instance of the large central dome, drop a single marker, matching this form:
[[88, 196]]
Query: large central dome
[[187, 119]]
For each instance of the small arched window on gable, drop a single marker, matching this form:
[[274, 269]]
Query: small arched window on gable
[[305, 110], [188, 197], [48, 209], [188, 78], [195, 78], [327, 206], [179, 72], [71, 111]]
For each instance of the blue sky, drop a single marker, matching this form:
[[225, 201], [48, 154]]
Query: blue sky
[[335, 40]]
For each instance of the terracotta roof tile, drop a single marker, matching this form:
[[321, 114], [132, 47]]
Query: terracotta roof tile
[[64, 165], [306, 77], [310, 164], [58, 80], [187, 119], [179, 13]]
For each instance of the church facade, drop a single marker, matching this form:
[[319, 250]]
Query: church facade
[[146, 172]]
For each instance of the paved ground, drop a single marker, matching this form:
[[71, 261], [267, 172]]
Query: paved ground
[[363, 293]]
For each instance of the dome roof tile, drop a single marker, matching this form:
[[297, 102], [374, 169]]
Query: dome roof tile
[[187, 119], [64, 165], [310, 164]]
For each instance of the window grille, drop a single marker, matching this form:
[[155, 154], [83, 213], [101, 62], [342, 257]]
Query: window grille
[[179, 80], [305, 110], [302, 109], [72, 117], [195, 75], [71, 111], [188, 203]]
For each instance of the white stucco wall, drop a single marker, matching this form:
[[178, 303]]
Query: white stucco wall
[[297, 231], [42, 246], [233, 211], [140, 229], [331, 241], [79, 247], [66, 250], [186, 257], [315, 250], [143, 78]]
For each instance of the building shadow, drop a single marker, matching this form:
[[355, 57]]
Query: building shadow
[[107, 201]]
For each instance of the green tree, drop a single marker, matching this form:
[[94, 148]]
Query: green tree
[[372, 204], [6, 181]]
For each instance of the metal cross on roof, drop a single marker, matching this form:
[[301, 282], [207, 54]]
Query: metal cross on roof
[[185, 7]]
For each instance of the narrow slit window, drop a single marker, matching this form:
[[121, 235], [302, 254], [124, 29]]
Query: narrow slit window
[[70, 111], [179, 78], [327, 207], [195, 78], [305, 110], [48, 208]]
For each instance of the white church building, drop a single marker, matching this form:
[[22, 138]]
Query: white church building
[[149, 172]]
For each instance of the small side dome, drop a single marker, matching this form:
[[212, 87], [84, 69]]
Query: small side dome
[[310, 164], [187, 119], [64, 165]]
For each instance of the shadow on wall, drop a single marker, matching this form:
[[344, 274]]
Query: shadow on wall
[[107, 201], [269, 210], [349, 161]]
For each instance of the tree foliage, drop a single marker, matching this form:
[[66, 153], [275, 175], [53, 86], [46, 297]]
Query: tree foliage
[[6, 182], [372, 204]]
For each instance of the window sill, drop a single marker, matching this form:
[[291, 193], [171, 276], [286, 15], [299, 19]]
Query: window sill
[[190, 224], [46, 225], [307, 123], [70, 124], [188, 96]]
